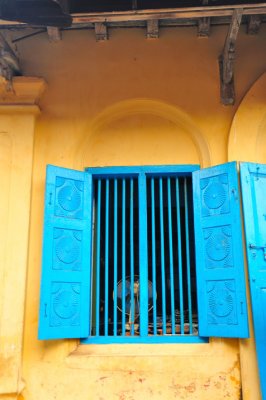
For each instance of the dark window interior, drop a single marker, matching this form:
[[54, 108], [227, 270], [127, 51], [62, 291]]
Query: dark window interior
[[172, 304]]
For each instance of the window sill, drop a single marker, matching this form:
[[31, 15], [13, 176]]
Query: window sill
[[84, 352], [81, 357], [158, 340]]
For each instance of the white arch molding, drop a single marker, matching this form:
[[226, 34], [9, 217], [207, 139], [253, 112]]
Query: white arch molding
[[140, 107], [247, 138]]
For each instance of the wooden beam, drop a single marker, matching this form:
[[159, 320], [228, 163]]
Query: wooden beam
[[54, 34], [227, 58], [254, 23], [176, 13], [152, 29], [101, 31], [160, 14], [204, 25]]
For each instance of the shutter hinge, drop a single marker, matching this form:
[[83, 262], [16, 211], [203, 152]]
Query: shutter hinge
[[254, 247]]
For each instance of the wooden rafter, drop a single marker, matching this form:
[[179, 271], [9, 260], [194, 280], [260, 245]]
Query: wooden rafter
[[204, 25], [54, 34], [254, 22], [227, 58], [152, 29], [101, 32]]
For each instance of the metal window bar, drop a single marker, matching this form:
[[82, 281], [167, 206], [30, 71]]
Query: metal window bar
[[153, 240], [180, 266], [123, 257], [115, 260], [133, 284], [189, 292], [98, 257], [162, 242], [171, 261], [143, 257], [106, 299], [156, 299]]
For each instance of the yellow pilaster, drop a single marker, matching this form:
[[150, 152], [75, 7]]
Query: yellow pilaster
[[247, 143], [18, 111]]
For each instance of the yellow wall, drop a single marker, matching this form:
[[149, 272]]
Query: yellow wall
[[131, 101]]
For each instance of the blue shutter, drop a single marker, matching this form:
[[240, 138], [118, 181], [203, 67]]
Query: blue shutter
[[65, 285], [253, 184], [222, 306]]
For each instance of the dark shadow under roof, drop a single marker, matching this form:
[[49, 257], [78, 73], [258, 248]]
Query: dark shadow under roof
[[87, 6]]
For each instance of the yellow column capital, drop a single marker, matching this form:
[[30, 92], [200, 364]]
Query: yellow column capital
[[22, 91]]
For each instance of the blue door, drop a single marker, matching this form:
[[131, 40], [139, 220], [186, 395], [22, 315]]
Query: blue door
[[253, 182]]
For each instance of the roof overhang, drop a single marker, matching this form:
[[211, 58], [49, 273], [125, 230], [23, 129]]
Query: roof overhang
[[160, 14]]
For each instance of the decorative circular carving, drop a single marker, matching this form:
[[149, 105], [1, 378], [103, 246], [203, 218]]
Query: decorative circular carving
[[67, 250], [214, 195], [221, 303], [65, 304], [69, 198], [217, 247]]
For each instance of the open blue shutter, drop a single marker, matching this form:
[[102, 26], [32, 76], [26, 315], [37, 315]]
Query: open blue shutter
[[253, 184], [65, 285], [222, 306]]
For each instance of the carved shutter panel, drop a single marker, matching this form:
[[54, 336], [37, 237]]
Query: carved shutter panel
[[253, 184], [219, 254], [65, 285]]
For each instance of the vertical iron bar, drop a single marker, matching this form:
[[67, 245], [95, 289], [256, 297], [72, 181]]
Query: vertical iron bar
[[162, 255], [115, 257], [180, 271], [153, 258], [132, 294], [106, 305], [170, 230], [143, 255], [123, 257], [94, 258], [91, 212], [98, 264], [188, 261]]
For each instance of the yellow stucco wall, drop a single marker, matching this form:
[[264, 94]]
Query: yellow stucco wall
[[130, 101]]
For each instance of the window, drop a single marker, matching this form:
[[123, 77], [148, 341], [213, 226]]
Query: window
[[119, 263], [125, 281]]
